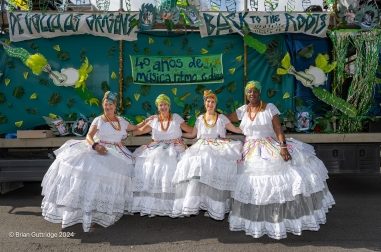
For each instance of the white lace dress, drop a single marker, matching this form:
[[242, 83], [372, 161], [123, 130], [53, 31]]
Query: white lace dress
[[154, 169], [272, 196], [82, 186], [205, 175]]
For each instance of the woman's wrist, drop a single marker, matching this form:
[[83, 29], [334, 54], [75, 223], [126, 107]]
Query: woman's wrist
[[94, 146]]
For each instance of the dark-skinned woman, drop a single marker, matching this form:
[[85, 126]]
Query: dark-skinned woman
[[281, 184]]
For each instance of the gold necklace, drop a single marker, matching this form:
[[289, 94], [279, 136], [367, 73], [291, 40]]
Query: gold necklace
[[256, 111], [161, 122], [115, 125], [210, 125]]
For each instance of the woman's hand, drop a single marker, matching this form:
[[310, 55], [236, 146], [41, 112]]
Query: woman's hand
[[284, 153], [101, 149]]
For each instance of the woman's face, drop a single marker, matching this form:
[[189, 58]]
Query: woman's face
[[252, 95], [163, 107], [109, 108], [210, 104]]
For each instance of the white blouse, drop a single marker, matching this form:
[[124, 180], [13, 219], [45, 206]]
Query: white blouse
[[173, 132], [218, 131], [262, 125], [105, 131]]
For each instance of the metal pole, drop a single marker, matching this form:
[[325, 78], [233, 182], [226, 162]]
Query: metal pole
[[245, 59]]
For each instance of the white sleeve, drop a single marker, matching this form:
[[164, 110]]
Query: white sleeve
[[178, 119], [241, 111], [273, 110], [224, 119], [96, 122]]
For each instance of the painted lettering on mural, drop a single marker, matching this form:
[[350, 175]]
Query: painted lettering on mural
[[315, 24], [168, 70], [116, 26]]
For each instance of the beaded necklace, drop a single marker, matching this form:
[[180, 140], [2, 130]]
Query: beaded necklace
[[115, 125], [214, 122], [161, 122], [256, 111]]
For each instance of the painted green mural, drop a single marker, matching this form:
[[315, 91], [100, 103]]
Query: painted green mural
[[25, 97]]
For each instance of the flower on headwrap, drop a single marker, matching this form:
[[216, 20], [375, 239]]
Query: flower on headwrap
[[162, 98], [253, 85], [209, 94], [111, 97]]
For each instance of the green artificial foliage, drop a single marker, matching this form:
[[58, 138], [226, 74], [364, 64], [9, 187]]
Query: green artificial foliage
[[255, 44], [334, 101]]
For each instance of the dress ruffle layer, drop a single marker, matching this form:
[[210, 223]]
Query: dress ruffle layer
[[193, 196], [205, 177], [275, 220]]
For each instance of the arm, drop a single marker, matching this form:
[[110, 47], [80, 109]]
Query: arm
[[233, 117], [281, 138], [139, 125], [192, 134], [185, 127], [90, 140], [142, 130], [232, 128]]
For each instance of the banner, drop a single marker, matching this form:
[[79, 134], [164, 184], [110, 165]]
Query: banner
[[315, 24], [29, 25], [180, 70]]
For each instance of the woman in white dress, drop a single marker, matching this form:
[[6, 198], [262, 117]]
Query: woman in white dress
[[281, 186], [90, 180], [156, 162], [205, 175]]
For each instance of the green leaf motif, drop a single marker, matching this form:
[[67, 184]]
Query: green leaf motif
[[54, 99], [200, 89], [147, 106], [306, 52], [31, 111], [144, 90], [3, 119], [127, 102], [18, 92], [3, 98], [70, 103], [104, 86], [179, 102], [231, 87]]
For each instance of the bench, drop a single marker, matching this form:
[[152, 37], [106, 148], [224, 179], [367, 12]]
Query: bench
[[28, 159]]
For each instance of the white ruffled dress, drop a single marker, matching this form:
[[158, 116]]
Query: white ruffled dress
[[154, 169], [82, 186], [205, 175], [272, 196]]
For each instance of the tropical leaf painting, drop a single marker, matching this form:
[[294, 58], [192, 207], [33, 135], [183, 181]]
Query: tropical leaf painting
[[3, 119], [3, 98], [144, 90], [104, 86], [54, 99], [18, 92]]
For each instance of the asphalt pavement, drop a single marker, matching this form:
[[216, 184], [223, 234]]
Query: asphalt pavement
[[353, 224]]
